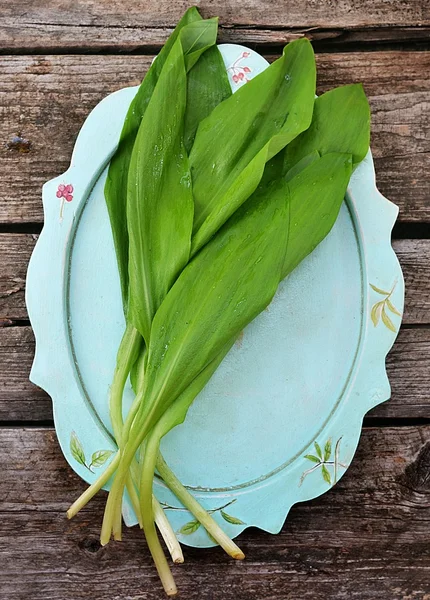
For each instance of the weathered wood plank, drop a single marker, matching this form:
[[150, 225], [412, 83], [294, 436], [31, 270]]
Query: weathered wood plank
[[408, 367], [139, 24], [20, 400], [47, 98], [15, 251], [367, 539]]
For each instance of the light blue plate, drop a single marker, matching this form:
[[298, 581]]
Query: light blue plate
[[280, 420]]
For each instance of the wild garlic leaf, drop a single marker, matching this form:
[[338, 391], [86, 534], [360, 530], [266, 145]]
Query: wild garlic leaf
[[207, 86], [330, 174], [77, 450], [197, 39], [159, 197], [177, 411], [340, 123], [242, 133], [227, 284], [302, 164], [316, 195], [230, 519]]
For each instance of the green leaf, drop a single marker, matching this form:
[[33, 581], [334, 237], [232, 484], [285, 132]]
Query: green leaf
[[318, 449], [316, 195], [313, 458], [387, 321], [242, 133], [326, 474], [375, 313], [116, 182], [176, 413], [99, 457], [196, 38], [190, 527], [207, 86], [77, 450], [327, 450], [230, 519], [378, 290], [159, 197], [302, 164], [391, 307], [228, 283], [340, 123], [137, 372]]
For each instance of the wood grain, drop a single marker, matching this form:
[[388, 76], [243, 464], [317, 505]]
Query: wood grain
[[61, 25], [15, 251], [46, 99], [408, 367], [367, 539]]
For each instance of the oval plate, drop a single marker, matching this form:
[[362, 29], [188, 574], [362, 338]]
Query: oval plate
[[280, 420]]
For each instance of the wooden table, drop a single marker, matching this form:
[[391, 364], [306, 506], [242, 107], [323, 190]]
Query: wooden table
[[369, 537]]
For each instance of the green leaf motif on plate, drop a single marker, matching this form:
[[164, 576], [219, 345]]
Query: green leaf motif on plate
[[189, 527], [77, 450], [192, 526], [230, 519], [378, 290], [312, 458], [99, 457], [379, 312], [318, 449], [326, 474], [324, 462], [327, 449], [391, 307]]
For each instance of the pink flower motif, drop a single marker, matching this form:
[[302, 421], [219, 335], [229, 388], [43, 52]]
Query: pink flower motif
[[238, 71], [65, 191]]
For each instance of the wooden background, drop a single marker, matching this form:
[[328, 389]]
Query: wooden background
[[369, 537]]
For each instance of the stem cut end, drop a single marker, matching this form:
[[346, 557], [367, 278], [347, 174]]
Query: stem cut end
[[171, 591], [178, 560]]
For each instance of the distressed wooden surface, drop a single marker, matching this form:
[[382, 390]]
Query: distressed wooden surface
[[115, 25], [46, 99], [364, 540], [15, 252], [407, 367]]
